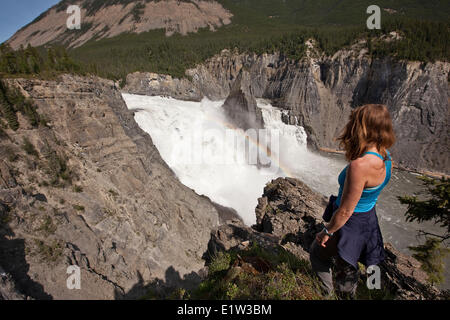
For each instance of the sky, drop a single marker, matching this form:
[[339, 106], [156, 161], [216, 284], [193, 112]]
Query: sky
[[15, 14]]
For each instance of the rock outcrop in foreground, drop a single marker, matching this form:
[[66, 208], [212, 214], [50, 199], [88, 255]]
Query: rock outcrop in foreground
[[91, 189], [289, 215]]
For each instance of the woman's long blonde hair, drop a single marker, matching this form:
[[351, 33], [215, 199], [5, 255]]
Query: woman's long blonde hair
[[368, 125]]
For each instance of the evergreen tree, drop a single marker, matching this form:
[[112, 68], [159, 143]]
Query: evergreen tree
[[30, 62], [435, 208], [51, 59], [11, 102], [6, 107], [431, 254]]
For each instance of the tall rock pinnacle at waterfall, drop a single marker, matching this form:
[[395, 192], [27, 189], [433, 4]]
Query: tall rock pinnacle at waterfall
[[241, 107]]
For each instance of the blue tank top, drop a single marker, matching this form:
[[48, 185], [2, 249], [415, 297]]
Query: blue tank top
[[369, 196]]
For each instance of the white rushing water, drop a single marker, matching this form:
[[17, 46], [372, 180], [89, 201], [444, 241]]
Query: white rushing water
[[197, 142]]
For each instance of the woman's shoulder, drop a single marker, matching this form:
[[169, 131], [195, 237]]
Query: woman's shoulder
[[365, 163], [360, 162], [358, 166]]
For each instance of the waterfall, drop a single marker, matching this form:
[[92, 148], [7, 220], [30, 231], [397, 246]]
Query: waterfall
[[210, 156]]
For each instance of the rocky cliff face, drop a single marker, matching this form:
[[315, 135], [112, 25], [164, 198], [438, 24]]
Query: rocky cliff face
[[241, 106], [93, 191], [153, 84], [289, 214], [320, 91]]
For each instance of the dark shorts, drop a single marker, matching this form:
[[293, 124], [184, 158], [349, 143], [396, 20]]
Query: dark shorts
[[360, 239]]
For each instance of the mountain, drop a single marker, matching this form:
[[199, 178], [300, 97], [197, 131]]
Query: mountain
[[168, 36], [106, 19], [109, 18]]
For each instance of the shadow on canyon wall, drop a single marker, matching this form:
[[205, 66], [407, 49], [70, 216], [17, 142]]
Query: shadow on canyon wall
[[160, 288], [163, 288], [13, 262]]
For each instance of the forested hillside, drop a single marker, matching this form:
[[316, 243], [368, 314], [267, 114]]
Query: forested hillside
[[267, 26], [32, 61], [153, 51]]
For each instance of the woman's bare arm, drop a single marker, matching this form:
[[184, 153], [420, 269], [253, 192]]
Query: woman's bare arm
[[353, 188], [355, 182]]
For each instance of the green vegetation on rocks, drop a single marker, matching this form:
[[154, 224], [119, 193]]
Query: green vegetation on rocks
[[256, 273], [435, 207], [13, 101], [29, 148]]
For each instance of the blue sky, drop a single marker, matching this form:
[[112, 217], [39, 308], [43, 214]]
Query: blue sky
[[15, 14]]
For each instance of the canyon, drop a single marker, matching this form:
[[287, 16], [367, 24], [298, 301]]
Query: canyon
[[319, 92], [121, 214]]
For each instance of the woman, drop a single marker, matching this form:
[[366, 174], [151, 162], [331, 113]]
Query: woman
[[353, 234]]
